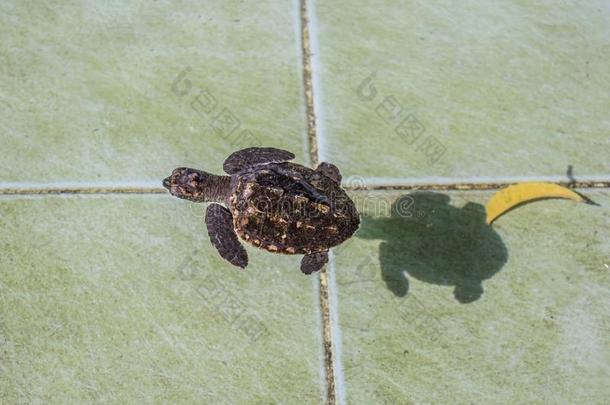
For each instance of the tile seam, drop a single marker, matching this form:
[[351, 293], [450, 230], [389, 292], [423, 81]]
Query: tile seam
[[473, 186], [314, 159], [41, 190]]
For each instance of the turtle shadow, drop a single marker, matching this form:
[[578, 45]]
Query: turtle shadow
[[427, 238]]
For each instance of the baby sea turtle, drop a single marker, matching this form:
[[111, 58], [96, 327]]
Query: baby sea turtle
[[272, 204]]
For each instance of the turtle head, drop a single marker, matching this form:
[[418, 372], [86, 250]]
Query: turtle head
[[196, 185]]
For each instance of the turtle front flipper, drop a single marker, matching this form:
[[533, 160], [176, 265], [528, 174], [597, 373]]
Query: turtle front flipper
[[222, 235], [244, 158], [314, 262], [329, 170]]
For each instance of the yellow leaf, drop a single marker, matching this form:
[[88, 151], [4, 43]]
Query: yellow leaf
[[517, 194]]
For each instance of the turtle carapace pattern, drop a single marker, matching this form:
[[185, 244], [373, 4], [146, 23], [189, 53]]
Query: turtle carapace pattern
[[272, 204]]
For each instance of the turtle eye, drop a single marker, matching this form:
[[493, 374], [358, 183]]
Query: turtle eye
[[191, 177]]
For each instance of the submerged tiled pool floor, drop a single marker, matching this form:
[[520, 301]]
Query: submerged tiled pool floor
[[110, 291]]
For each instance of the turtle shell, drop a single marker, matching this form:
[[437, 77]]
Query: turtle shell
[[289, 208]]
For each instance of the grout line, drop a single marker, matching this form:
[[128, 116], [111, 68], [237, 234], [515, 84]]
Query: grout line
[[336, 331], [467, 186], [308, 85], [369, 181], [314, 159], [82, 190], [55, 190]]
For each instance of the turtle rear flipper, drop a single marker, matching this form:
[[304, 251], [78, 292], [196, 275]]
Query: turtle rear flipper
[[314, 262], [244, 158], [222, 235], [329, 170]]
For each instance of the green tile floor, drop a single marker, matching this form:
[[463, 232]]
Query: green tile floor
[[122, 299], [95, 90], [119, 298], [452, 92], [434, 306]]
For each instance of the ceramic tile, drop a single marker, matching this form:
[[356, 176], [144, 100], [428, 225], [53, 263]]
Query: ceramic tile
[[105, 91], [429, 90], [434, 306], [123, 300]]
